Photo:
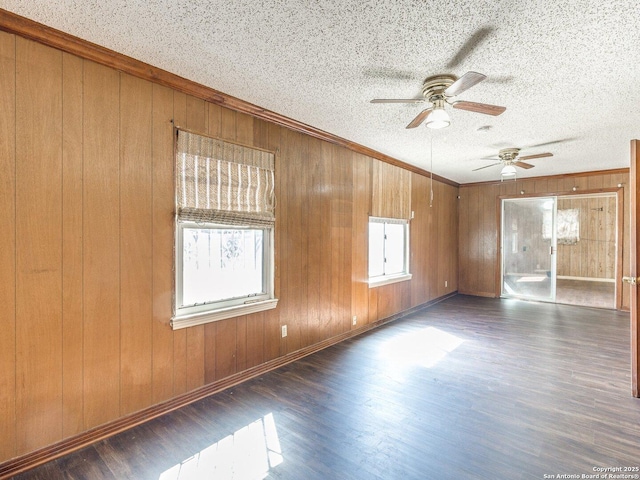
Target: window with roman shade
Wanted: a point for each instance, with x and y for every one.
(225, 206)
(389, 224)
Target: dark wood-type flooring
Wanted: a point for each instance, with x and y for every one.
(469, 388)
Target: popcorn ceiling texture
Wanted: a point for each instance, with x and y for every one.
(564, 70)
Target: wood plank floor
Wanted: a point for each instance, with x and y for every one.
(471, 388)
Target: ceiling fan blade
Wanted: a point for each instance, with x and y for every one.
(526, 166)
(420, 118)
(479, 107)
(397, 100)
(464, 83)
(472, 43)
(486, 166)
(537, 155)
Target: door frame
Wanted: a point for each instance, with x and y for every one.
(634, 206)
(619, 191)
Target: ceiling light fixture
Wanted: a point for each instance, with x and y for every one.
(508, 171)
(438, 118)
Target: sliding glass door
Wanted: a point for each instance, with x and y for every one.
(528, 248)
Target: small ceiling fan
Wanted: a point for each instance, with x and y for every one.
(438, 90)
(510, 159)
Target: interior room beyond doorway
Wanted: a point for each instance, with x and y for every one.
(586, 263)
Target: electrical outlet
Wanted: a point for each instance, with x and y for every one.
(446, 284)
(284, 331)
(354, 320)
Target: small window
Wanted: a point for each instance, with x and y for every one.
(224, 255)
(388, 251)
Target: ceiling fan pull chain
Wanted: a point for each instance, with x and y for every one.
(431, 172)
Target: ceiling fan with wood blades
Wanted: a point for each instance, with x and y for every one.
(439, 90)
(510, 158)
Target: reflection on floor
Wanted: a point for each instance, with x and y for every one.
(586, 293)
(572, 292)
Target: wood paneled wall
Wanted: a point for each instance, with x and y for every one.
(478, 224)
(86, 192)
(391, 191)
(594, 255)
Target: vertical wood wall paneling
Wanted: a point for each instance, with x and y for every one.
(8, 242)
(197, 121)
(255, 322)
(101, 252)
(323, 217)
(346, 188)
(272, 338)
(136, 245)
(244, 136)
(214, 128)
(453, 251)
(179, 336)
(475, 222)
(391, 191)
(433, 232)
(419, 237)
(315, 240)
(360, 240)
(39, 245)
(295, 259)
(464, 248)
(72, 245)
(489, 239)
(162, 240)
(341, 216)
(447, 267)
(226, 330)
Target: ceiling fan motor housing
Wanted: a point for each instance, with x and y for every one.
(509, 155)
(434, 87)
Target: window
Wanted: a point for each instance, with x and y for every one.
(224, 230)
(388, 251)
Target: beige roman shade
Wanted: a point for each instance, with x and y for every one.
(224, 183)
(390, 191)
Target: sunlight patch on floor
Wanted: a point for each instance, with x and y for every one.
(249, 453)
(424, 348)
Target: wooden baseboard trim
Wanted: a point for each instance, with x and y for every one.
(479, 294)
(38, 457)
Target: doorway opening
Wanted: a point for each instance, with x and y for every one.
(561, 249)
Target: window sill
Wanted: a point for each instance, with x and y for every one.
(184, 321)
(379, 281)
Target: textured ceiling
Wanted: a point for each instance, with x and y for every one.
(568, 72)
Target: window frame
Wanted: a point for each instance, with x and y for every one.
(386, 279)
(186, 316)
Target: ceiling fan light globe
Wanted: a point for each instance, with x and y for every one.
(438, 118)
(508, 170)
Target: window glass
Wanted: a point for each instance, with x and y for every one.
(388, 248)
(221, 264)
(376, 249)
(394, 248)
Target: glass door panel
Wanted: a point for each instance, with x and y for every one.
(528, 248)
